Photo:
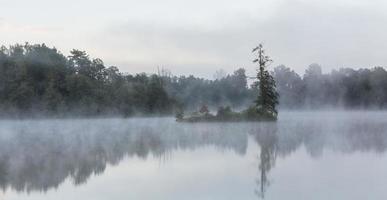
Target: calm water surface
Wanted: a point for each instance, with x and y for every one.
(305, 155)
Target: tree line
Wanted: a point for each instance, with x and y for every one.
(36, 79)
(345, 88)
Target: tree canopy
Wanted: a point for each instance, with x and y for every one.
(39, 79)
(36, 79)
(267, 99)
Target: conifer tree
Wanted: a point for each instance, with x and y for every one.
(267, 97)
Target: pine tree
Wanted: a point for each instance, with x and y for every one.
(268, 97)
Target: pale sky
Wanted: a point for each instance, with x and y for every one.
(201, 36)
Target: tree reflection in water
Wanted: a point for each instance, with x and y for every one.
(39, 155)
(265, 134)
(345, 133)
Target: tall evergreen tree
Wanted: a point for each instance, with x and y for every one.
(267, 97)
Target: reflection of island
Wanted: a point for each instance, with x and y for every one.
(40, 155)
(344, 136)
(266, 137)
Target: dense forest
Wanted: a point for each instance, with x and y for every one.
(36, 79)
(39, 80)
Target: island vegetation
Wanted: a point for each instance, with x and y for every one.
(37, 80)
(264, 108)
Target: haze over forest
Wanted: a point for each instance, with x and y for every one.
(36, 79)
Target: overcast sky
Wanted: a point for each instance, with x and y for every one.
(201, 36)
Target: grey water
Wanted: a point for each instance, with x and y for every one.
(305, 155)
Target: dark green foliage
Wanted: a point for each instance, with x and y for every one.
(225, 114)
(254, 114)
(267, 95)
(157, 99)
(40, 80)
(265, 104)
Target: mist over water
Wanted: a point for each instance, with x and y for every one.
(307, 155)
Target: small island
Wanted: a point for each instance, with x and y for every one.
(263, 109)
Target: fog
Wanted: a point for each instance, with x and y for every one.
(39, 81)
(40, 155)
(193, 99)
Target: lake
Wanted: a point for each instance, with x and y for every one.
(305, 155)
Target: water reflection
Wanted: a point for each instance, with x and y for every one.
(266, 137)
(343, 133)
(40, 155)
